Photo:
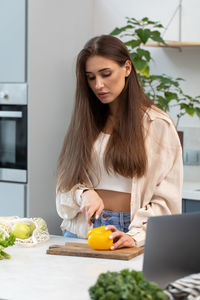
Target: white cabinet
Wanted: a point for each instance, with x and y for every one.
(12, 40)
(12, 199)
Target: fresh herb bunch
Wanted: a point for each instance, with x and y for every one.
(4, 243)
(125, 285)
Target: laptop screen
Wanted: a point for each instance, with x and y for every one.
(172, 247)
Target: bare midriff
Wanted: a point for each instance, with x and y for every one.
(115, 201)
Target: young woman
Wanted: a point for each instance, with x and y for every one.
(121, 159)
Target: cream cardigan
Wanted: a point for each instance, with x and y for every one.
(158, 192)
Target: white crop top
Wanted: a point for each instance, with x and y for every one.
(103, 180)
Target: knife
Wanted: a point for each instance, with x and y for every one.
(93, 219)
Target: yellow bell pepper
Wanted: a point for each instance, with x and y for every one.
(98, 238)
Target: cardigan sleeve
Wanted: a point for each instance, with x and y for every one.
(69, 204)
(159, 192)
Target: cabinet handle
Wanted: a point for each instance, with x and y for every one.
(3, 95)
(10, 114)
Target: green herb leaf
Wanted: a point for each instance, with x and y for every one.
(4, 254)
(8, 241)
(125, 285)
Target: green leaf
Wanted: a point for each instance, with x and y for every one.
(156, 36)
(8, 241)
(136, 22)
(117, 30)
(179, 78)
(139, 63)
(197, 110)
(152, 23)
(143, 34)
(195, 100)
(159, 26)
(133, 43)
(145, 19)
(133, 56)
(145, 71)
(146, 54)
(189, 110)
(171, 96)
(4, 254)
(162, 103)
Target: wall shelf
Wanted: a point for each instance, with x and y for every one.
(173, 44)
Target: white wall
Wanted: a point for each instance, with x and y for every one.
(57, 31)
(109, 14)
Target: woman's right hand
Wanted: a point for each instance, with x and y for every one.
(93, 204)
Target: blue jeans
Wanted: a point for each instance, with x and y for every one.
(121, 220)
(70, 234)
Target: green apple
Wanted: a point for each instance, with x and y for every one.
(21, 230)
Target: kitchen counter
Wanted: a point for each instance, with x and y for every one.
(32, 274)
(191, 190)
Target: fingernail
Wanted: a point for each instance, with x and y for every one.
(106, 228)
(110, 237)
(112, 247)
(96, 217)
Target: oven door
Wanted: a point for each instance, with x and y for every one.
(13, 143)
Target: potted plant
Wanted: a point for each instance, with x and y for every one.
(163, 90)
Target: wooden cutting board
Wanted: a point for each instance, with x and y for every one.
(80, 249)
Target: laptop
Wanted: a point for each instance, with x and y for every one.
(172, 248)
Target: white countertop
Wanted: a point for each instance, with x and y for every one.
(32, 274)
(191, 190)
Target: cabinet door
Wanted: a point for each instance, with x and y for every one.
(12, 40)
(12, 199)
(191, 206)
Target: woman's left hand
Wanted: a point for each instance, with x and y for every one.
(120, 238)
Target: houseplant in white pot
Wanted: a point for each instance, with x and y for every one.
(163, 90)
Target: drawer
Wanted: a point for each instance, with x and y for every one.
(12, 199)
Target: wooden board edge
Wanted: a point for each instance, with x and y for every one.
(86, 255)
(94, 254)
(76, 247)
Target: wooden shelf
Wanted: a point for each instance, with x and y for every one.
(173, 44)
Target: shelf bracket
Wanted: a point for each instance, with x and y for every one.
(179, 11)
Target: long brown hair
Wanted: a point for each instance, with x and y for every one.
(125, 153)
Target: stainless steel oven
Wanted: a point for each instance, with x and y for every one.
(13, 132)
